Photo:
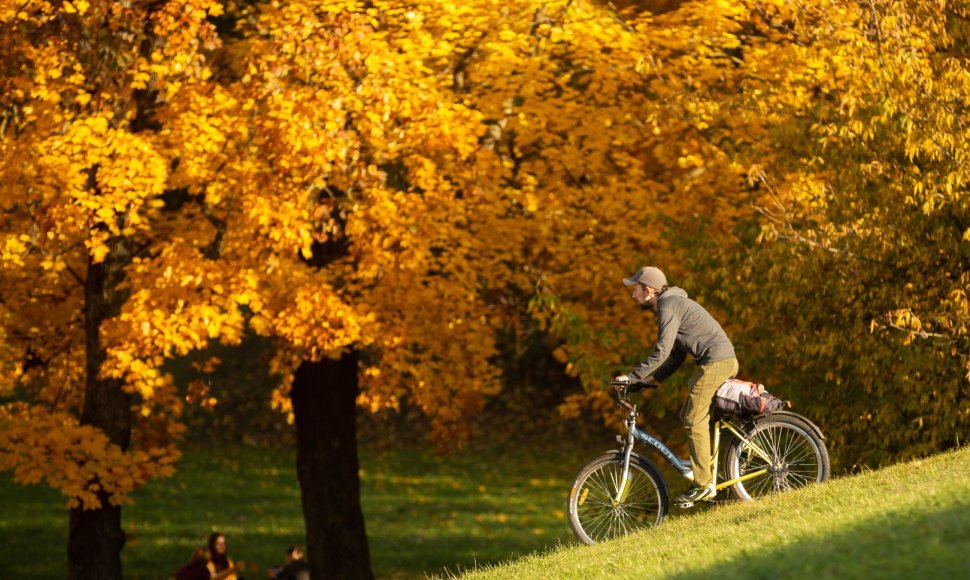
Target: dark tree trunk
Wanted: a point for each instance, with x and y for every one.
(324, 396)
(95, 537)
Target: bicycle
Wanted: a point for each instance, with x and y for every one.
(622, 491)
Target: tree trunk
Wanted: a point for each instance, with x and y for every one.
(324, 396)
(95, 537)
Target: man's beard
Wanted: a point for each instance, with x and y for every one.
(648, 305)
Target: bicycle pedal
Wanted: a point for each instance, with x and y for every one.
(684, 505)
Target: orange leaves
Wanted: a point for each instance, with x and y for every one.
(203, 131)
(77, 460)
(318, 323)
(283, 220)
(187, 33)
(14, 250)
(179, 302)
(198, 394)
(433, 343)
(78, 6)
(98, 179)
(11, 370)
(82, 170)
(404, 178)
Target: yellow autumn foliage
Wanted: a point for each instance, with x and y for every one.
(413, 180)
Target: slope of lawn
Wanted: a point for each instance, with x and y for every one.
(907, 521)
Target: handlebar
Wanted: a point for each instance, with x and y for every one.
(622, 390)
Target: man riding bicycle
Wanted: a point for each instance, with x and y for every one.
(684, 326)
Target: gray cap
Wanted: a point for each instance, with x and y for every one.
(648, 276)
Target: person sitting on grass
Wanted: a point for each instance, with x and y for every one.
(197, 568)
(221, 566)
(294, 569)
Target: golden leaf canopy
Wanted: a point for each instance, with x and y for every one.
(412, 180)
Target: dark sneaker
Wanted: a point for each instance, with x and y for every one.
(696, 494)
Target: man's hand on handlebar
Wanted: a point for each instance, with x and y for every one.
(632, 386)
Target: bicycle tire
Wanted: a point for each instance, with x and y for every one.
(798, 452)
(592, 516)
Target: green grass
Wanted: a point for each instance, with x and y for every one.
(439, 515)
(424, 513)
(907, 521)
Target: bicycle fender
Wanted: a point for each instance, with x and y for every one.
(808, 421)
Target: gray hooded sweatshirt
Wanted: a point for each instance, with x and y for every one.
(683, 327)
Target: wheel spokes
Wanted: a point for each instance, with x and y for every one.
(795, 461)
(601, 518)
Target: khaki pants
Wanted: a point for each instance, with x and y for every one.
(696, 414)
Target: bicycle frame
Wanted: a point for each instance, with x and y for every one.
(683, 466)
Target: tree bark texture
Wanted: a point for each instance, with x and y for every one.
(95, 537)
(324, 397)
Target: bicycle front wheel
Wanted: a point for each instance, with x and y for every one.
(784, 450)
(600, 510)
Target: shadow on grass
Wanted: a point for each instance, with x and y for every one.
(912, 543)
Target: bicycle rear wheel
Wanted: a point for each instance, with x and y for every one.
(595, 516)
(798, 456)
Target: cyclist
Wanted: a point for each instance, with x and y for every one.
(684, 326)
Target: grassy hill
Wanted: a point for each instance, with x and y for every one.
(907, 521)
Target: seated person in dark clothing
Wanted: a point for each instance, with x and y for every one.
(295, 568)
(221, 566)
(197, 568)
